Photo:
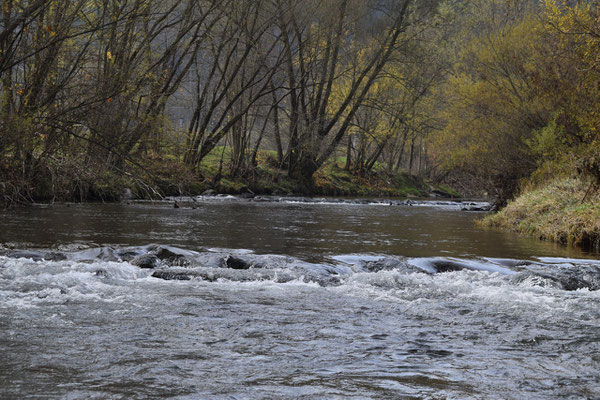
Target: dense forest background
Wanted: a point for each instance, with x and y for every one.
(177, 96)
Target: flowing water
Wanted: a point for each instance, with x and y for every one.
(246, 300)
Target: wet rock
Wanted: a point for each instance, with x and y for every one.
(171, 258)
(127, 255)
(55, 256)
(447, 265)
(475, 207)
(34, 255)
(37, 255)
(327, 281)
(566, 278)
(101, 273)
(582, 277)
(531, 279)
(236, 263)
(108, 254)
(71, 247)
(148, 261)
(390, 264)
(209, 192)
(215, 274)
(171, 276)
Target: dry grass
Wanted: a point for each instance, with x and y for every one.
(556, 211)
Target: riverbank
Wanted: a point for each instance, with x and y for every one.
(566, 210)
(159, 177)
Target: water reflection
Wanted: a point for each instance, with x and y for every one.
(304, 230)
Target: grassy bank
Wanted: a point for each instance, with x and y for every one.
(565, 210)
(157, 176)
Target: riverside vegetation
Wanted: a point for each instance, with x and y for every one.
(337, 97)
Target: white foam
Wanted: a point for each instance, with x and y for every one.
(560, 260)
(25, 283)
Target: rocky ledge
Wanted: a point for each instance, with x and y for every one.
(172, 263)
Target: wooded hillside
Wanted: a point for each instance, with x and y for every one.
(96, 95)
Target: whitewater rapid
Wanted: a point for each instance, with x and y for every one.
(222, 323)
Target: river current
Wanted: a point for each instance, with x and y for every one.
(237, 299)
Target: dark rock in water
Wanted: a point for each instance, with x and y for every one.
(566, 278)
(475, 207)
(146, 261)
(447, 265)
(108, 254)
(325, 281)
(101, 273)
(536, 280)
(580, 277)
(127, 255)
(390, 264)
(37, 255)
(171, 276)
(34, 255)
(171, 258)
(235, 263)
(55, 256)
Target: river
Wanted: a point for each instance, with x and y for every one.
(236, 299)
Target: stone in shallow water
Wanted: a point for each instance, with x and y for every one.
(566, 276)
(447, 265)
(108, 254)
(146, 261)
(55, 256)
(34, 255)
(171, 258)
(390, 264)
(171, 276)
(236, 263)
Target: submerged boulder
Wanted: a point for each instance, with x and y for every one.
(390, 264)
(171, 275)
(148, 261)
(34, 255)
(565, 276)
(233, 262)
(444, 265)
(107, 254)
(169, 257)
